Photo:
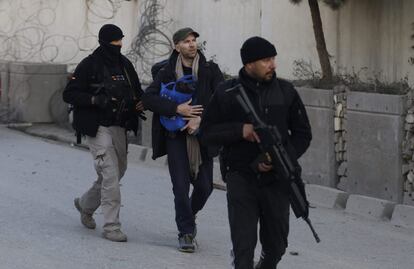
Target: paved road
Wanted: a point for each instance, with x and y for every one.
(40, 229)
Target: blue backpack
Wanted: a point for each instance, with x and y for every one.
(169, 91)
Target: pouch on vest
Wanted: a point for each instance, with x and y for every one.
(170, 92)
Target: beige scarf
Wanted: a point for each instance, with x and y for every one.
(193, 146)
(179, 67)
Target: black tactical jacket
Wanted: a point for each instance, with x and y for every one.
(82, 86)
(277, 103)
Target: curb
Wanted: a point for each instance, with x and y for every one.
(403, 216)
(137, 153)
(50, 132)
(326, 197)
(369, 207)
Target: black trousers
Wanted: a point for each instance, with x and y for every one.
(187, 206)
(248, 203)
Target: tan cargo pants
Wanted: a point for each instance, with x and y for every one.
(109, 151)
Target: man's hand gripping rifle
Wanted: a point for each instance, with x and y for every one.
(271, 145)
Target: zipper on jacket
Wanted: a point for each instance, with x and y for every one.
(259, 94)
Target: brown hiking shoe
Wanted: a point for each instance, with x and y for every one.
(116, 236)
(86, 219)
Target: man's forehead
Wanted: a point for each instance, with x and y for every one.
(267, 59)
(189, 37)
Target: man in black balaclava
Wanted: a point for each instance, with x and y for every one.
(105, 91)
(255, 192)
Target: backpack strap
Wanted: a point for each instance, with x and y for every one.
(130, 84)
(155, 69)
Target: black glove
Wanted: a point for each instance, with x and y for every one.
(100, 100)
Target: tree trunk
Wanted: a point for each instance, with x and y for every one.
(320, 41)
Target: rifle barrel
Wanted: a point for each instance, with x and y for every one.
(318, 240)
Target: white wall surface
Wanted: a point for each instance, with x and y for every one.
(376, 34)
(59, 31)
(368, 33)
(224, 25)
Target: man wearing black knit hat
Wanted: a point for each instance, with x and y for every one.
(254, 192)
(105, 91)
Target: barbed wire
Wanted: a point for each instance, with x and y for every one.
(152, 41)
(25, 33)
(99, 11)
(411, 59)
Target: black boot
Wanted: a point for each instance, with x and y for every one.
(261, 263)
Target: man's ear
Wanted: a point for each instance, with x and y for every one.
(177, 48)
(248, 66)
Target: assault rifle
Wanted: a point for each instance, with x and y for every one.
(120, 105)
(272, 147)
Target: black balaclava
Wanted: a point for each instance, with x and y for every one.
(107, 34)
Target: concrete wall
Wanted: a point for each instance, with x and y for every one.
(375, 34)
(4, 82)
(318, 163)
(363, 34)
(60, 31)
(225, 25)
(367, 33)
(375, 130)
(34, 91)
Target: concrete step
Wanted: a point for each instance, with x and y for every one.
(403, 216)
(369, 207)
(326, 197)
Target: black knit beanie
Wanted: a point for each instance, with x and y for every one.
(256, 48)
(109, 33)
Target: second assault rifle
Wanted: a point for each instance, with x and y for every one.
(121, 106)
(272, 146)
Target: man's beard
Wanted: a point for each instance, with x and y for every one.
(264, 78)
(189, 55)
(268, 77)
